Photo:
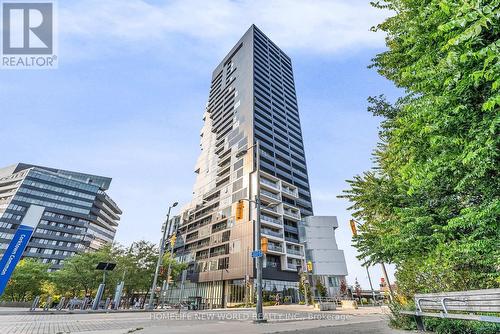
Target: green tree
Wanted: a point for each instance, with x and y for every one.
(79, 275)
(26, 281)
(175, 267)
(431, 203)
(320, 287)
(140, 263)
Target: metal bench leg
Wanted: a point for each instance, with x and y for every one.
(420, 323)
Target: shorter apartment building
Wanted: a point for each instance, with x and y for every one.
(78, 216)
(328, 262)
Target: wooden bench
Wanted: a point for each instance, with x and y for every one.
(463, 305)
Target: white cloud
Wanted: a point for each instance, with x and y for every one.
(317, 26)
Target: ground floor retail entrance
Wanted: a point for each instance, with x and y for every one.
(229, 293)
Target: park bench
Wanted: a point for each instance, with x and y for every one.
(478, 305)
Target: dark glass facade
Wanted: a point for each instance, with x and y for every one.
(78, 214)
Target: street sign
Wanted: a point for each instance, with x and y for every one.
(257, 253)
(18, 244)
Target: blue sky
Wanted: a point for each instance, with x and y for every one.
(133, 78)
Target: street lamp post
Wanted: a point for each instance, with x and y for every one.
(169, 270)
(160, 258)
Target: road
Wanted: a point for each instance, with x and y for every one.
(286, 319)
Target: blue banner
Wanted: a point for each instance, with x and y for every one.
(13, 254)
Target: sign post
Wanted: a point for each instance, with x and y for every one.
(18, 244)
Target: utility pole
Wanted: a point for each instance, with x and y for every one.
(160, 258)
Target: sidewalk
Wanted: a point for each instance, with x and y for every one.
(280, 318)
(282, 308)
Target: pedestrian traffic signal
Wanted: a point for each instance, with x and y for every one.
(239, 210)
(170, 280)
(264, 244)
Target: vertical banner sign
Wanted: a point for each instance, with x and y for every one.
(18, 244)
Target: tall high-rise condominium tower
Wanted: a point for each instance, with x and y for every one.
(78, 215)
(252, 99)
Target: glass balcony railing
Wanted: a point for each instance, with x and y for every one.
(291, 214)
(294, 251)
(290, 228)
(292, 266)
(270, 220)
(289, 191)
(269, 194)
(275, 248)
(269, 183)
(272, 233)
(273, 209)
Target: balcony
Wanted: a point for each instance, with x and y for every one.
(292, 266)
(292, 214)
(291, 228)
(275, 248)
(223, 252)
(271, 233)
(267, 219)
(269, 194)
(294, 251)
(292, 239)
(289, 191)
(269, 183)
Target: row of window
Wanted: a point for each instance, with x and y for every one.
(54, 242)
(47, 251)
(58, 189)
(65, 217)
(51, 204)
(5, 225)
(59, 234)
(62, 225)
(12, 216)
(16, 207)
(63, 181)
(7, 236)
(54, 197)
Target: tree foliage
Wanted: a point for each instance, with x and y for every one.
(431, 203)
(135, 265)
(26, 281)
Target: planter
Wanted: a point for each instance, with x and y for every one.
(349, 304)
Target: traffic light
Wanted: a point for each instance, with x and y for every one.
(239, 210)
(172, 240)
(263, 244)
(353, 227)
(161, 271)
(170, 280)
(309, 266)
